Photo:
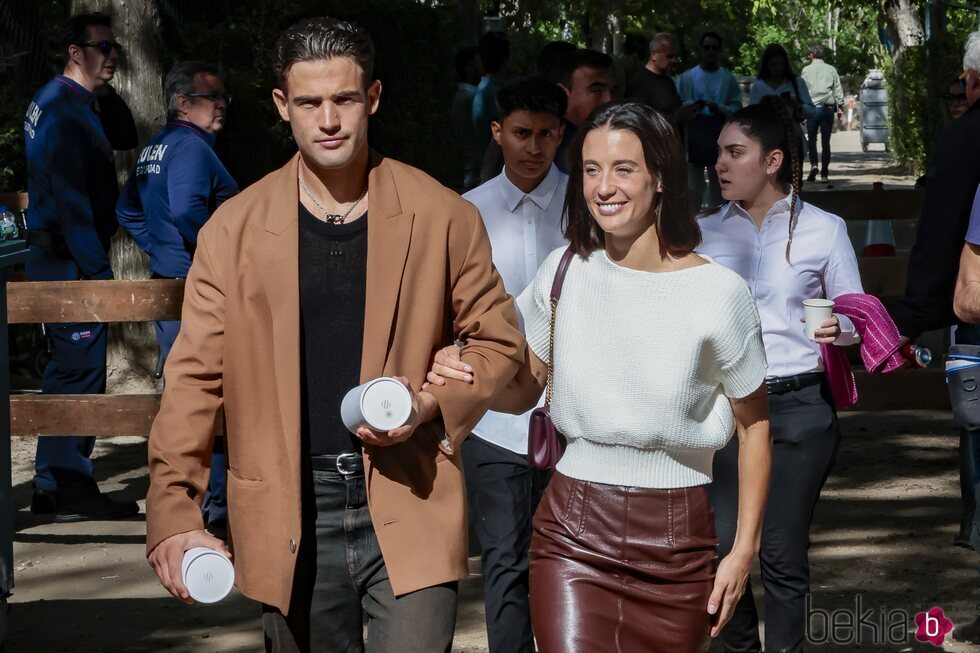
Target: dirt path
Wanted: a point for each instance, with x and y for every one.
(882, 532)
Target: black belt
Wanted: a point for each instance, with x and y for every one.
(348, 464)
(783, 384)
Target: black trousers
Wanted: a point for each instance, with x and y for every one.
(503, 492)
(805, 437)
(341, 578)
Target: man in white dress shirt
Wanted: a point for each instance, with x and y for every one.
(522, 209)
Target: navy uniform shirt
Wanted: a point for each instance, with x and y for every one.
(71, 182)
(176, 186)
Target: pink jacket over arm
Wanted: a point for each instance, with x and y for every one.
(879, 346)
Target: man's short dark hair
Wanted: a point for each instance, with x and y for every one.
(180, 81)
(711, 35)
(462, 61)
(494, 51)
(816, 51)
(75, 29)
(320, 39)
(533, 93)
(581, 58)
(550, 55)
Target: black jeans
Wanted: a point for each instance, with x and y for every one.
(341, 577)
(503, 492)
(824, 121)
(805, 437)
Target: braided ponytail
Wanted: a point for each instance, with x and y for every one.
(792, 152)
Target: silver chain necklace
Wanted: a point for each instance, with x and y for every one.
(331, 218)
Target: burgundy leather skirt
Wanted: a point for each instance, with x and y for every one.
(621, 569)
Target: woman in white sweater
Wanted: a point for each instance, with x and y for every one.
(658, 357)
(787, 251)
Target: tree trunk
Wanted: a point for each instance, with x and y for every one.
(904, 25)
(614, 12)
(136, 24)
(606, 35)
(833, 23)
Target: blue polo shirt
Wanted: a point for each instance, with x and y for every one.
(71, 182)
(176, 186)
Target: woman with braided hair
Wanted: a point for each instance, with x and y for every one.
(787, 251)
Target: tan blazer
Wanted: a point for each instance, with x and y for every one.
(239, 349)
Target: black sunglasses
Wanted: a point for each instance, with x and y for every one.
(955, 97)
(214, 97)
(710, 46)
(105, 47)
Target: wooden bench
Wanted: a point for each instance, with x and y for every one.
(89, 301)
(885, 277)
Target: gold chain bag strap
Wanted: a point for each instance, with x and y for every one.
(545, 444)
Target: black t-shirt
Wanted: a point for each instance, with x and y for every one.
(657, 91)
(332, 285)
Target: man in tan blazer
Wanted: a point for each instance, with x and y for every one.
(340, 267)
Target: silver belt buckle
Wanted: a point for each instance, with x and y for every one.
(340, 469)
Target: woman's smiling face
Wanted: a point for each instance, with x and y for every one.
(619, 189)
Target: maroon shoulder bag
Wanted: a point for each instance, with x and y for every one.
(545, 444)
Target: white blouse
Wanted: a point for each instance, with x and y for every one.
(821, 264)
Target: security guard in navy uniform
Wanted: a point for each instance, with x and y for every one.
(176, 186)
(71, 181)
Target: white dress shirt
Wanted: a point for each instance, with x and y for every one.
(822, 264)
(523, 228)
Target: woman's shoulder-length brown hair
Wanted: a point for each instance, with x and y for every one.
(677, 228)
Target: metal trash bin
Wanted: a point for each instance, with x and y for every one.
(874, 110)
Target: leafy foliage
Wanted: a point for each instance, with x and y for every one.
(13, 167)
(416, 40)
(908, 107)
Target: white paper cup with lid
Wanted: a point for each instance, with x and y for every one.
(382, 404)
(208, 574)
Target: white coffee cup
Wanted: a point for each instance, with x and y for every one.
(208, 574)
(382, 404)
(817, 311)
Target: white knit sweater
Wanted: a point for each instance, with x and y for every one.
(644, 365)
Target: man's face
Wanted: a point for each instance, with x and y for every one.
(972, 87)
(206, 107)
(710, 51)
(591, 87)
(327, 106)
(664, 57)
(529, 140)
(956, 99)
(97, 67)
